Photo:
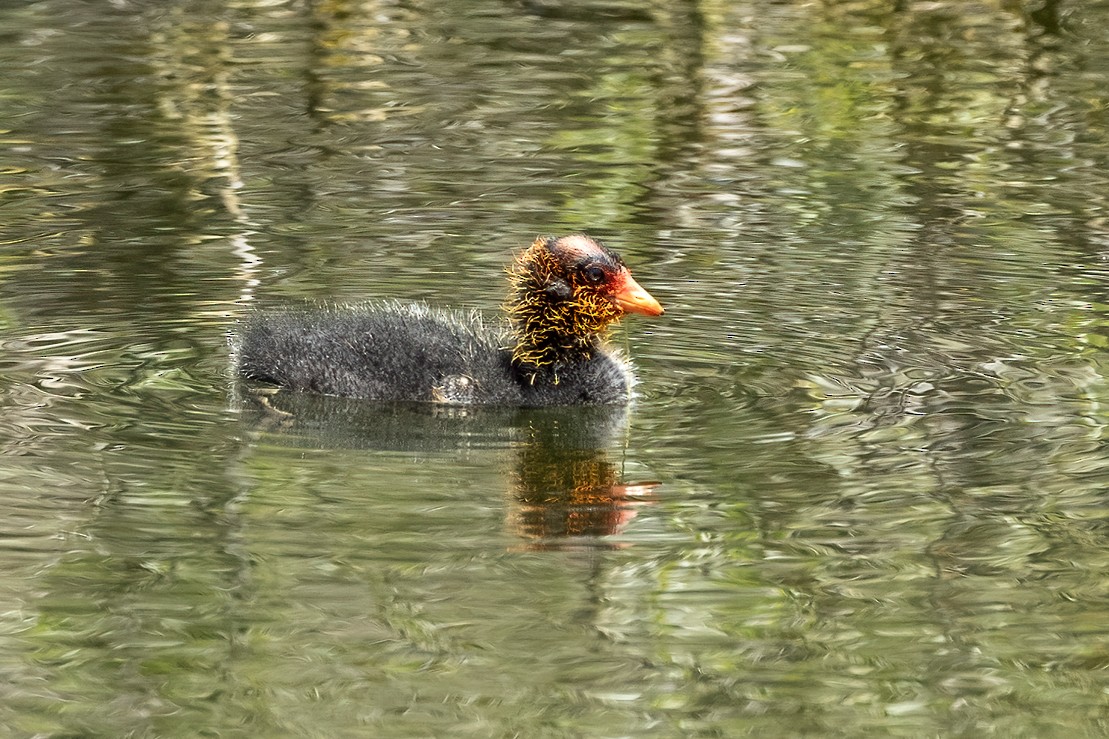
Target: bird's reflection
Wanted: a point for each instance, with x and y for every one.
(565, 490)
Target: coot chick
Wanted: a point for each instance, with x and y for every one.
(565, 293)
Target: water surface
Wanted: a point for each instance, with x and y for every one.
(862, 491)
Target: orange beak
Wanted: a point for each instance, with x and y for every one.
(634, 299)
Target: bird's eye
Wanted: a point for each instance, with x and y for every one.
(595, 275)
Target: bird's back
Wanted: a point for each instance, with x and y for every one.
(386, 352)
(413, 353)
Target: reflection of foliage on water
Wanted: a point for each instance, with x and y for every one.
(947, 405)
(878, 405)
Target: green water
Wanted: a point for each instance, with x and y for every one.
(863, 491)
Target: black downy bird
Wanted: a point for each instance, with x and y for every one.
(551, 350)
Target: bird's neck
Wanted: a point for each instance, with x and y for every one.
(551, 325)
(540, 347)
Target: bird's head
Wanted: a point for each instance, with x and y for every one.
(566, 292)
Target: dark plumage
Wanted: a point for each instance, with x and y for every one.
(551, 351)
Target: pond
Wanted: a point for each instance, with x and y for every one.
(862, 491)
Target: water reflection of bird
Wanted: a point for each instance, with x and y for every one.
(564, 490)
(565, 293)
(567, 494)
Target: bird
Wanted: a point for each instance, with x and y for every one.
(548, 349)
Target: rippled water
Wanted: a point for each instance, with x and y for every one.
(863, 491)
